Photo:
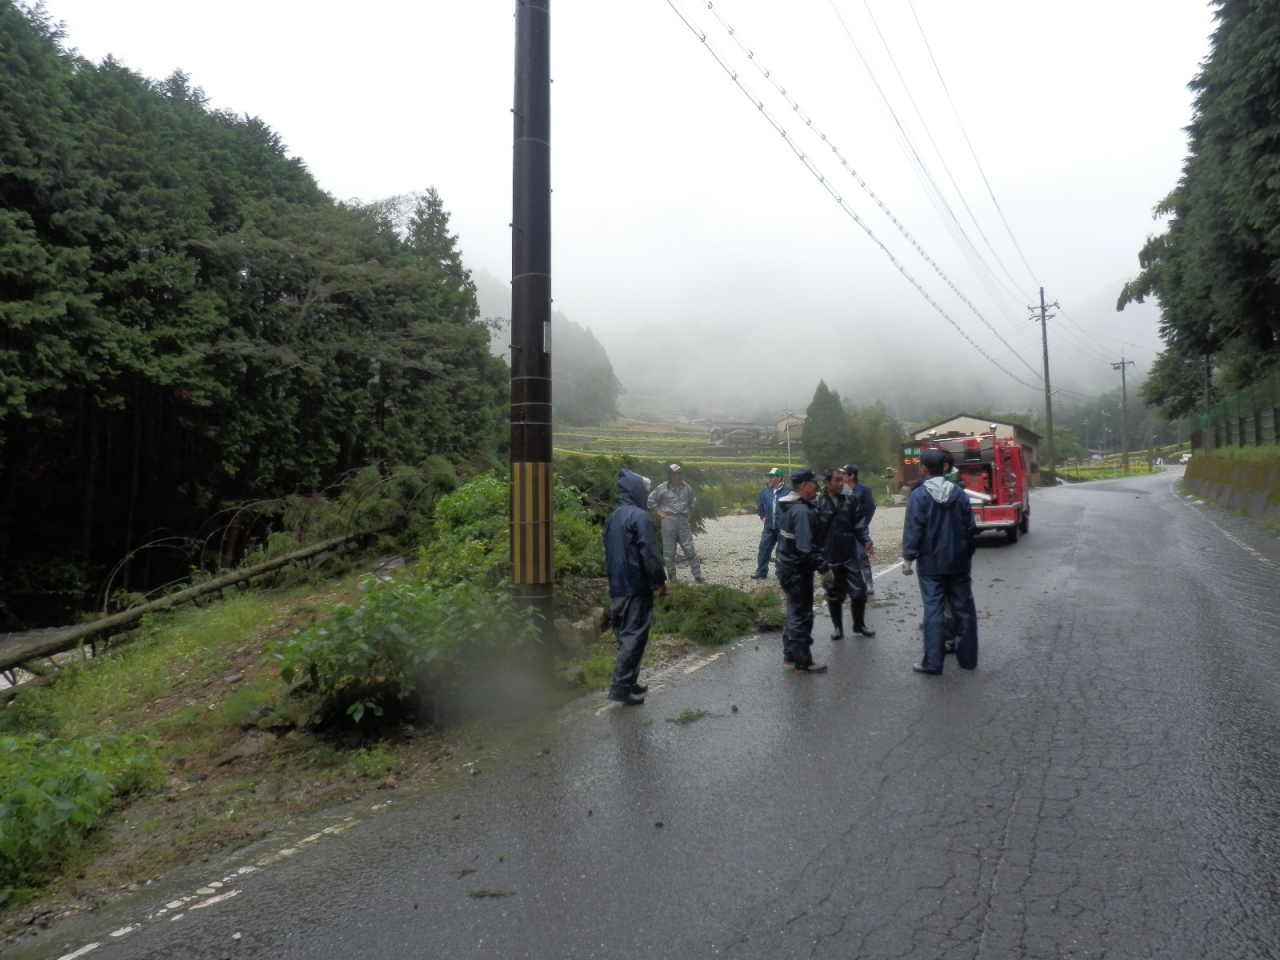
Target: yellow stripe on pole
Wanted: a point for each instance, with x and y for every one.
(531, 522)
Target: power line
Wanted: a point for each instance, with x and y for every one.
(972, 152)
(1084, 347)
(1107, 337)
(844, 205)
(813, 127)
(928, 133)
(925, 176)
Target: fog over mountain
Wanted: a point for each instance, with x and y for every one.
(893, 353)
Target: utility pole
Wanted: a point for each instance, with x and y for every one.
(1124, 411)
(1207, 394)
(1048, 394)
(532, 481)
(1086, 439)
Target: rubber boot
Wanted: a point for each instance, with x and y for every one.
(837, 618)
(625, 696)
(860, 619)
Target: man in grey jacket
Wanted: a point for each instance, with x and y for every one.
(673, 501)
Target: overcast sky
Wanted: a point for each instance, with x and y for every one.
(687, 234)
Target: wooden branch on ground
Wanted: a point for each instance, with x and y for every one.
(14, 653)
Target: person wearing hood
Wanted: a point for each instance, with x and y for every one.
(799, 555)
(767, 510)
(937, 537)
(673, 501)
(636, 576)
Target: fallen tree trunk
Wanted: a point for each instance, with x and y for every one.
(15, 653)
(8, 693)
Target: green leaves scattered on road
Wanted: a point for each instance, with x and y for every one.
(689, 716)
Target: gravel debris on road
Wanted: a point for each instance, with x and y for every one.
(728, 546)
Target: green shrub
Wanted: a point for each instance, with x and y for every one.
(33, 712)
(54, 792)
(738, 494)
(375, 762)
(708, 613)
(770, 612)
(471, 536)
(404, 637)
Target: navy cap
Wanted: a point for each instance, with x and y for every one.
(803, 475)
(933, 459)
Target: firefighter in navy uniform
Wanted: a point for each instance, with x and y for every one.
(868, 501)
(937, 541)
(799, 557)
(842, 530)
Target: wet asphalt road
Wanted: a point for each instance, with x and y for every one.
(1106, 784)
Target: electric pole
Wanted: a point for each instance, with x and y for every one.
(1048, 394)
(532, 481)
(1124, 411)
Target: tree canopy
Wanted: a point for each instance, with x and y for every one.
(1216, 269)
(836, 433)
(187, 321)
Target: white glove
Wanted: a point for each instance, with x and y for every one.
(906, 567)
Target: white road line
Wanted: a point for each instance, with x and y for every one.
(702, 663)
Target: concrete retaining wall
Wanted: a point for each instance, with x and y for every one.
(1251, 487)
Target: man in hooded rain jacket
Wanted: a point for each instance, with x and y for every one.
(799, 555)
(937, 536)
(635, 576)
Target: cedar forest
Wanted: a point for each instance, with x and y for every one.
(187, 321)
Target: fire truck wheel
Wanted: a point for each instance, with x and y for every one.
(1025, 523)
(1012, 533)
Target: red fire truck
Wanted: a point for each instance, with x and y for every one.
(994, 472)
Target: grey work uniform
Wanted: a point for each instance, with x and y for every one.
(677, 504)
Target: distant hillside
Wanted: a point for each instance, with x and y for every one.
(585, 391)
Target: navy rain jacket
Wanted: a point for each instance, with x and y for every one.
(841, 526)
(939, 528)
(630, 548)
(766, 503)
(799, 551)
(867, 499)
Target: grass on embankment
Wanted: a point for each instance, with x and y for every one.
(1267, 451)
(190, 687)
